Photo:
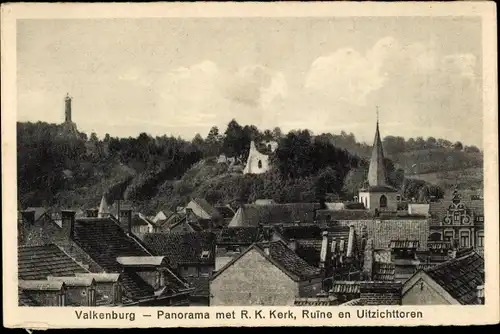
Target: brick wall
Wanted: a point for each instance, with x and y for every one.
(373, 298)
(252, 280)
(423, 294)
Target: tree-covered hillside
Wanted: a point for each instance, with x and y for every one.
(64, 168)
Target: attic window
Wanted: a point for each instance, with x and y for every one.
(205, 254)
(260, 164)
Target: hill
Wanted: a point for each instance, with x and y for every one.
(60, 166)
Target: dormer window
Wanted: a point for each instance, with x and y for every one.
(205, 254)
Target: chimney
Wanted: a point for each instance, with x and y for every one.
(29, 216)
(350, 241)
(480, 294)
(126, 219)
(68, 222)
(368, 260)
(292, 244)
(324, 246)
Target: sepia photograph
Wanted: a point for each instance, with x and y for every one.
(298, 161)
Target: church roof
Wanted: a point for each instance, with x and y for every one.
(377, 174)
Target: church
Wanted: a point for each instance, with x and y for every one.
(377, 196)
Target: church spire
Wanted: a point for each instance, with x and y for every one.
(376, 172)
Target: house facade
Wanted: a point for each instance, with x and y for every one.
(246, 279)
(458, 222)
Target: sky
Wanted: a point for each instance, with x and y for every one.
(181, 76)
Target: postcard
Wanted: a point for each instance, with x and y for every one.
(249, 164)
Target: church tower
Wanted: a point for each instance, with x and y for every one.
(67, 109)
(378, 195)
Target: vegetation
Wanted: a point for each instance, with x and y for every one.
(60, 167)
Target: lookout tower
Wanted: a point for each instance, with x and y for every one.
(67, 109)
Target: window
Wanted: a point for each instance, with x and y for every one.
(383, 201)
(480, 239)
(205, 254)
(456, 217)
(448, 235)
(435, 237)
(260, 164)
(464, 239)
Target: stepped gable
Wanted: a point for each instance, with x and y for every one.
(460, 277)
(182, 248)
(238, 235)
(38, 262)
(288, 260)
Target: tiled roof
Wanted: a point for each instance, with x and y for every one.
(460, 276)
(318, 301)
(104, 241)
(238, 235)
(201, 286)
(38, 262)
(183, 248)
(345, 287)
(288, 260)
(383, 271)
(209, 209)
(308, 231)
(381, 293)
(406, 244)
(253, 214)
(332, 215)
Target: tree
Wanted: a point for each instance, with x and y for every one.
(93, 137)
(213, 142)
(277, 134)
(458, 146)
(327, 181)
(471, 149)
(235, 140)
(431, 142)
(444, 143)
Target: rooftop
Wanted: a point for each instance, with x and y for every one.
(238, 235)
(183, 247)
(460, 277)
(288, 260)
(38, 262)
(207, 207)
(255, 215)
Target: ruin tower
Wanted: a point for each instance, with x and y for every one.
(67, 109)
